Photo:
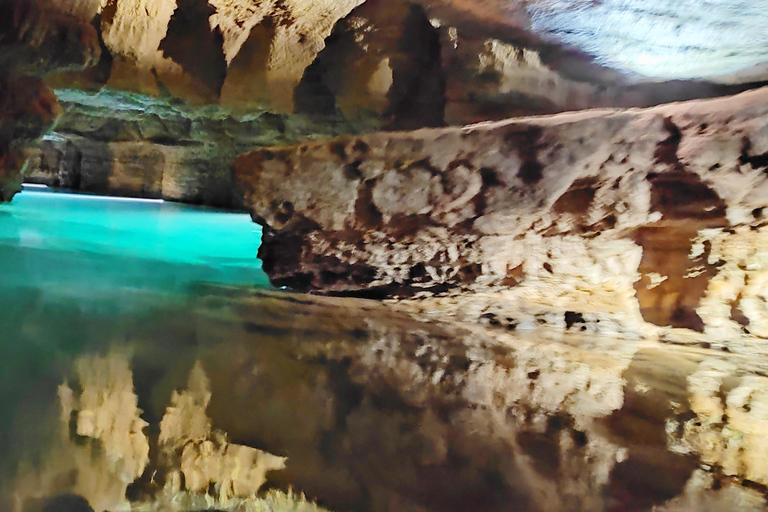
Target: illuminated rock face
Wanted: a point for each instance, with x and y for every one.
(133, 145)
(637, 208)
(372, 60)
(353, 67)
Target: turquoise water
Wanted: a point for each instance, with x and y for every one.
(90, 248)
(80, 272)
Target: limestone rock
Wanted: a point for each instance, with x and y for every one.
(381, 67)
(489, 79)
(657, 38)
(39, 39)
(551, 205)
(127, 144)
(34, 40)
(193, 49)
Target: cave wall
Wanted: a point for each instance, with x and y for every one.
(322, 69)
(655, 215)
(36, 40)
(374, 63)
(127, 144)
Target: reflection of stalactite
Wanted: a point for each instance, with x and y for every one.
(203, 456)
(101, 448)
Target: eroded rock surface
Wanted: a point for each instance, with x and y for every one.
(35, 39)
(343, 67)
(127, 144)
(612, 211)
(378, 63)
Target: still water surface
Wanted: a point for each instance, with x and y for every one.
(116, 313)
(87, 247)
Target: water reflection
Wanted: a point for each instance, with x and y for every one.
(184, 395)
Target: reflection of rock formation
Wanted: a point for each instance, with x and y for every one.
(203, 457)
(378, 411)
(103, 448)
(386, 413)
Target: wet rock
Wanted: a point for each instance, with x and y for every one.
(551, 201)
(35, 40)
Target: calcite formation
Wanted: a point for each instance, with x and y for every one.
(640, 212)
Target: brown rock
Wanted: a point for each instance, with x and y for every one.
(380, 68)
(127, 144)
(395, 213)
(34, 40)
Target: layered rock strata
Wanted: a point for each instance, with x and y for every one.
(628, 217)
(132, 145)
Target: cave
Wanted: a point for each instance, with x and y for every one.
(369, 256)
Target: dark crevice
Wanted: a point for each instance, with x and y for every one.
(666, 152)
(756, 161)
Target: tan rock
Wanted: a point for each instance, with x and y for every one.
(543, 207)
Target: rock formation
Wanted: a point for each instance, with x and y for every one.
(35, 40)
(332, 67)
(577, 312)
(128, 144)
(571, 208)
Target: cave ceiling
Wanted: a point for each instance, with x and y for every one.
(720, 40)
(660, 38)
(663, 39)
